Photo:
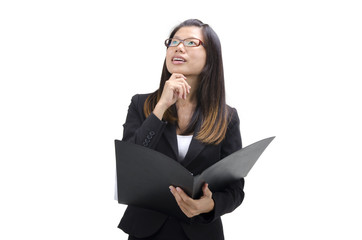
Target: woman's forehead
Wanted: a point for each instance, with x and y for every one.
(189, 32)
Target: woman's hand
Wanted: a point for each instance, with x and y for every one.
(191, 207)
(175, 88)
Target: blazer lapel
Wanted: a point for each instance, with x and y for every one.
(195, 148)
(170, 135)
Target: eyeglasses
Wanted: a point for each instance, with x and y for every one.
(188, 42)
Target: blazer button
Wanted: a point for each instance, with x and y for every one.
(149, 137)
(145, 144)
(152, 133)
(147, 140)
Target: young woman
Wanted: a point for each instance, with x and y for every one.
(188, 120)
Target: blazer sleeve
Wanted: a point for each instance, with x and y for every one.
(232, 196)
(141, 130)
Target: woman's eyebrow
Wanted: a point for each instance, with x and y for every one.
(184, 38)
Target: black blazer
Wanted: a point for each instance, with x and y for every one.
(161, 136)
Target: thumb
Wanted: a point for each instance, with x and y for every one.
(206, 190)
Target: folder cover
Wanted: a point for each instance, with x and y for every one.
(144, 175)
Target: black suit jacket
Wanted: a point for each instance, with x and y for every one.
(161, 136)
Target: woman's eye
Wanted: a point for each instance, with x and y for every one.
(174, 42)
(191, 43)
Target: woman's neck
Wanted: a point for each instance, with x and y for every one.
(191, 99)
(186, 107)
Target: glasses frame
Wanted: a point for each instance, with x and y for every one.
(183, 42)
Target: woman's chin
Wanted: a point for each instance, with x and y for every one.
(180, 71)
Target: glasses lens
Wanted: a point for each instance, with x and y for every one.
(171, 42)
(192, 42)
(174, 42)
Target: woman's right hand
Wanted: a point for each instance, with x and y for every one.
(175, 88)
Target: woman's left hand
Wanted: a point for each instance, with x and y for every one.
(191, 207)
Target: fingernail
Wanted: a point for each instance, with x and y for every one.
(178, 189)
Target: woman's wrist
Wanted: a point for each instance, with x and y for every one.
(211, 206)
(159, 110)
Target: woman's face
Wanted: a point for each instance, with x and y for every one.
(194, 58)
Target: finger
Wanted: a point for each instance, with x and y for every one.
(185, 91)
(181, 197)
(207, 192)
(185, 198)
(174, 87)
(175, 194)
(186, 211)
(179, 78)
(186, 86)
(181, 89)
(184, 208)
(182, 81)
(178, 75)
(188, 207)
(177, 90)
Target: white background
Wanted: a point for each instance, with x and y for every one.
(69, 68)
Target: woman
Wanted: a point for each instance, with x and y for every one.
(188, 120)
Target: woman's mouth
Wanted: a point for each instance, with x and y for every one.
(178, 60)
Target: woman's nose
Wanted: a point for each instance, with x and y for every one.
(180, 47)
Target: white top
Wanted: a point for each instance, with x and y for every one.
(183, 143)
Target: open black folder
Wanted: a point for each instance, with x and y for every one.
(144, 175)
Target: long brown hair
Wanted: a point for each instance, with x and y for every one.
(211, 109)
